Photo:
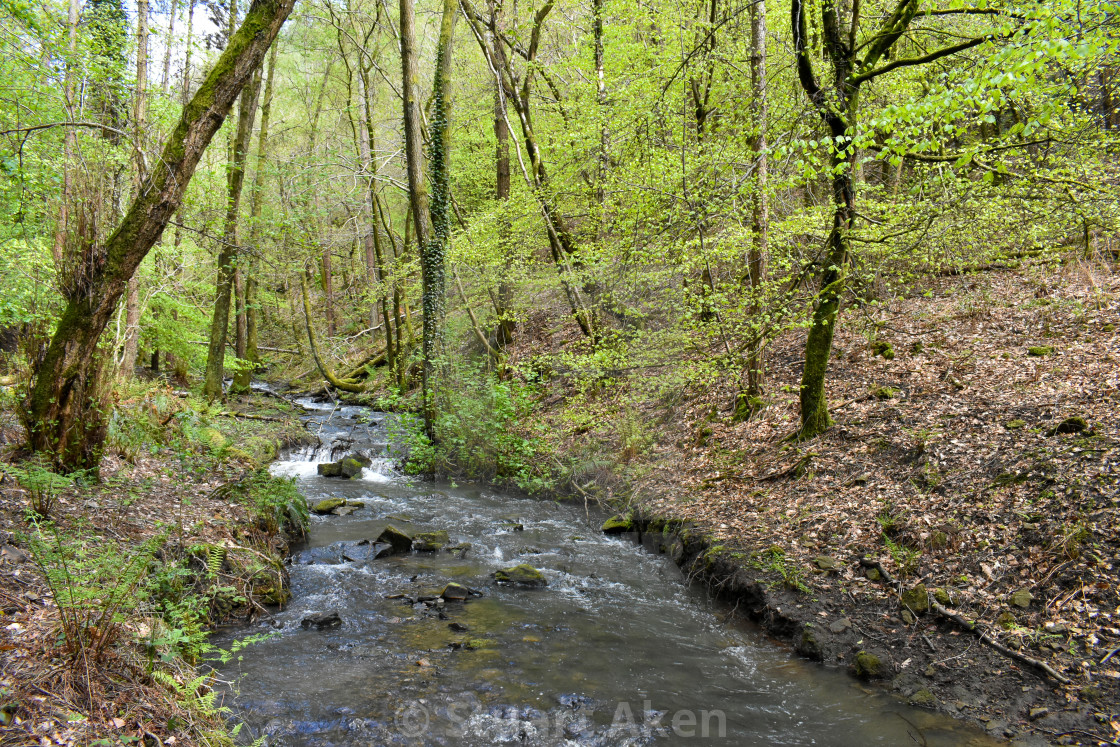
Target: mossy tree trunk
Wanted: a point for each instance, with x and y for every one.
(64, 418)
(854, 61)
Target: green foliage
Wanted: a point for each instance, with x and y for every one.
(477, 432)
(773, 560)
(95, 583)
(42, 485)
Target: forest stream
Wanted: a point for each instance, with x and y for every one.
(617, 649)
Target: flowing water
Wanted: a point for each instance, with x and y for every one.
(617, 649)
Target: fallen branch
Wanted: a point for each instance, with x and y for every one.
(971, 627)
(233, 414)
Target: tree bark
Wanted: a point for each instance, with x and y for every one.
(227, 256)
(64, 417)
(139, 115)
(165, 81)
(760, 213)
(503, 308)
(430, 218)
(243, 379)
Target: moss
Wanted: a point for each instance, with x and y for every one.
(883, 349)
(943, 597)
(328, 505)
(884, 392)
(1012, 425)
(430, 541)
(521, 575)
(867, 666)
(916, 599)
(923, 698)
(618, 524)
(1040, 351)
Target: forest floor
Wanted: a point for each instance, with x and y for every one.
(948, 463)
(176, 495)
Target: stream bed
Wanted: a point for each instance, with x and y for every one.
(617, 649)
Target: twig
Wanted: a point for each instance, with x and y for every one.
(972, 627)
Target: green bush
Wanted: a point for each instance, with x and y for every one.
(477, 433)
(95, 583)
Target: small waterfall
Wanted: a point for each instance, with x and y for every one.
(341, 431)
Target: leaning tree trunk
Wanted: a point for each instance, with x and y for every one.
(63, 416)
(227, 257)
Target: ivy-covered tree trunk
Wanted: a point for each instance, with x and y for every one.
(64, 417)
(433, 237)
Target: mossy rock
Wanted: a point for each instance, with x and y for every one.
(923, 698)
(873, 574)
(455, 593)
(1021, 598)
(431, 541)
(351, 467)
(275, 595)
(241, 455)
(883, 349)
(808, 646)
(916, 599)
(356, 504)
(1075, 424)
(399, 540)
(618, 524)
(330, 469)
(1013, 425)
(521, 575)
(1040, 351)
(884, 392)
(826, 564)
(328, 505)
(867, 666)
(944, 598)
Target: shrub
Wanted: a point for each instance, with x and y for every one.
(94, 582)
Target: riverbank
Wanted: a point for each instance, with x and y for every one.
(972, 460)
(182, 493)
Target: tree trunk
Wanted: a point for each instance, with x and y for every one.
(63, 415)
(243, 379)
(503, 307)
(165, 81)
(430, 238)
(139, 115)
(760, 213)
(227, 257)
(328, 292)
(63, 226)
